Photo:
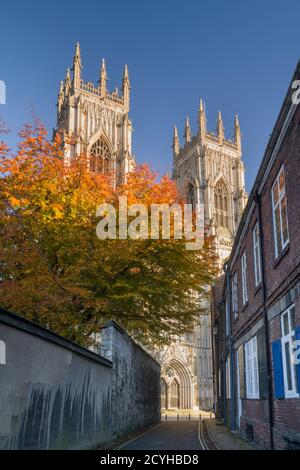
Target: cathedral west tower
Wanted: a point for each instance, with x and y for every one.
(208, 169)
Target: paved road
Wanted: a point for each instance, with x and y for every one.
(172, 435)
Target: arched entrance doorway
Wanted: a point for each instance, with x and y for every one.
(177, 386)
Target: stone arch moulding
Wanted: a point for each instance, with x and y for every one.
(222, 178)
(97, 136)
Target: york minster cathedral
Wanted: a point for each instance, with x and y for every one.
(208, 169)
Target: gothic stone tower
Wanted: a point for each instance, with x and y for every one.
(94, 122)
(208, 169)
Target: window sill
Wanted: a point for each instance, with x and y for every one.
(281, 255)
(257, 288)
(289, 397)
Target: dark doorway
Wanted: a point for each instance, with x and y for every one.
(174, 394)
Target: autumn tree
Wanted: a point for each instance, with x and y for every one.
(57, 272)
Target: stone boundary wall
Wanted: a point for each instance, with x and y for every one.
(55, 394)
(136, 382)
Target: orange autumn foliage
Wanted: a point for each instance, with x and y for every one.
(54, 269)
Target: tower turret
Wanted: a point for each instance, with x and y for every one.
(77, 67)
(67, 82)
(175, 146)
(103, 79)
(187, 131)
(60, 98)
(201, 119)
(126, 86)
(220, 128)
(237, 133)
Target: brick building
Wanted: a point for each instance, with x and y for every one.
(256, 308)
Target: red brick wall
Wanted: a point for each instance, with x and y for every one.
(255, 412)
(286, 411)
(289, 156)
(281, 275)
(247, 313)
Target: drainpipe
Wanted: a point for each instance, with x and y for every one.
(221, 364)
(266, 323)
(222, 382)
(213, 365)
(224, 401)
(231, 351)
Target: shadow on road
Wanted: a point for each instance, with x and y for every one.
(168, 435)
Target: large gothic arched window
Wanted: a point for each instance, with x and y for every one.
(221, 204)
(100, 157)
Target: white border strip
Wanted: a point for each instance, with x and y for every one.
(201, 437)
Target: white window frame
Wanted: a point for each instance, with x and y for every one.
(288, 338)
(281, 197)
(257, 254)
(251, 368)
(244, 277)
(235, 297)
(228, 383)
(2, 352)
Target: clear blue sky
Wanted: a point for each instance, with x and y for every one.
(237, 55)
